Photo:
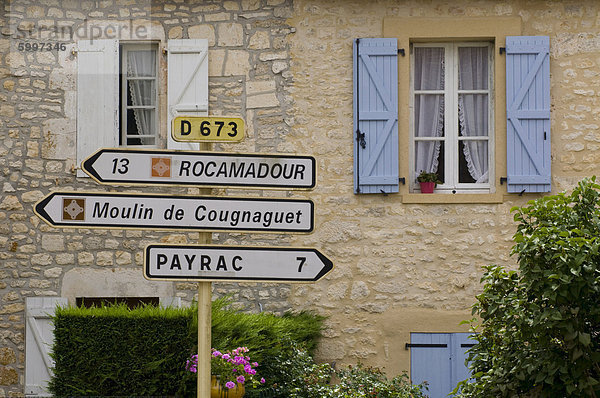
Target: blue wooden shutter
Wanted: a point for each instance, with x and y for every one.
(430, 361)
(460, 344)
(375, 116)
(528, 113)
(439, 359)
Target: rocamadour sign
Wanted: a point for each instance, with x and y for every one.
(171, 212)
(234, 263)
(162, 167)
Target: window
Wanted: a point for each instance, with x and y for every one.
(451, 109)
(122, 89)
(138, 95)
(404, 122)
(130, 302)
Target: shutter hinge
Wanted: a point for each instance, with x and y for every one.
(401, 52)
(503, 180)
(545, 136)
(502, 50)
(409, 345)
(402, 180)
(360, 138)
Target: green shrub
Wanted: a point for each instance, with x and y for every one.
(301, 377)
(539, 333)
(118, 351)
(267, 336)
(360, 381)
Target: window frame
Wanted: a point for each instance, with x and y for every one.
(124, 48)
(452, 138)
(418, 29)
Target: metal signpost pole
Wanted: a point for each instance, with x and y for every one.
(204, 315)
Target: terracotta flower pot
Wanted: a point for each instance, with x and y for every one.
(216, 391)
(427, 187)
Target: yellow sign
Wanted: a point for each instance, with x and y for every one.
(205, 128)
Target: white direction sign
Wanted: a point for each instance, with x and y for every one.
(162, 167)
(234, 263)
(147, 211)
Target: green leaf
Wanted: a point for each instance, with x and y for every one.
(585, 339)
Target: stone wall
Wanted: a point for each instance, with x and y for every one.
(405, 267)
(286, 68)
(249, 70)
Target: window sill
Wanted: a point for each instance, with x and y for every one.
(452, 198)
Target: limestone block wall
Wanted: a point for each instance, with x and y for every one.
(404, 268)
(248, 71)
(285, 66)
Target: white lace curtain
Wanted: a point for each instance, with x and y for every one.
(472, 108)
(142, 64)
(429, 108)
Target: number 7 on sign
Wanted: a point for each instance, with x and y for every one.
(302, 262)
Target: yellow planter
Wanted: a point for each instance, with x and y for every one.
(216, 391)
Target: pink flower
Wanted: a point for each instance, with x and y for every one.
(226, 356)
(241, 379)
(230, 384)
(262, 380)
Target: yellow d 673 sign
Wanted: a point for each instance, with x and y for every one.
(205, 128)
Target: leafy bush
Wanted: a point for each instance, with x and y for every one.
(116, 351)
(301, 377)
(540, 326)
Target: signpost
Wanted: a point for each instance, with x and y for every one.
(234, 263)
(162, 167)
(170, 212)
(202, 263)
(207, 129)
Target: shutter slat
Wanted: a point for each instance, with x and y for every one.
(529, 179)
(380, 180)
(385, 50)
(376, 115)
(528, 114)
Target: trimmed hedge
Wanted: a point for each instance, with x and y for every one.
(116, 351)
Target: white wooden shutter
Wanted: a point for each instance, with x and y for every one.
(97, 97)
(39, 337)
(376, 115)
(187, 83)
